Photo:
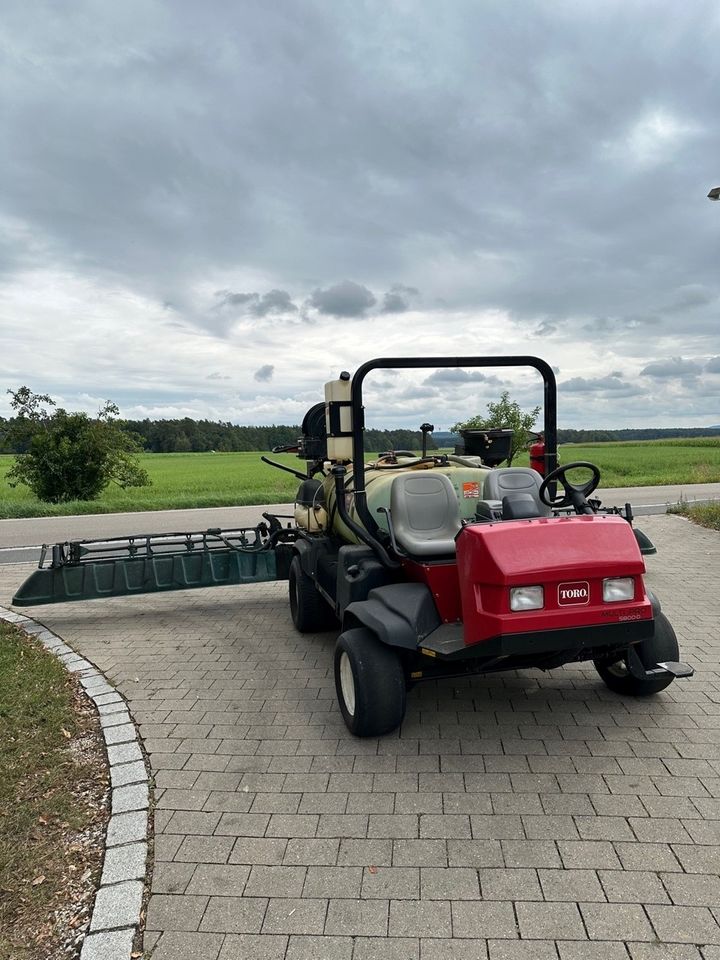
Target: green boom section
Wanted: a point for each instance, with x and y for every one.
(125, 576)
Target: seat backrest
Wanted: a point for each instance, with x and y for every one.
(511, 481)
(425, 514)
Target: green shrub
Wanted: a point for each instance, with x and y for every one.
(71, 456)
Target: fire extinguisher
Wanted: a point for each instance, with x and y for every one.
(537, 454)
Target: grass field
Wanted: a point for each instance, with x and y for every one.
(224, 479)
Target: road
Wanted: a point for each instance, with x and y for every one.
(20, 539)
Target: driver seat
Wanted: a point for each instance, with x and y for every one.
(425, 514)
(519, 490)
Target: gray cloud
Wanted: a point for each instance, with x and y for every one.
(713, 365)
(344, 299)
(216, 376)
(272, 302)
(612, 383)
(674, 367)
(455, 375)
(265, 373)
(398, 298)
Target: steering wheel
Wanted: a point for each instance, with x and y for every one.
(573, 496)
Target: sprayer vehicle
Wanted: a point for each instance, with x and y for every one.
(428, 566)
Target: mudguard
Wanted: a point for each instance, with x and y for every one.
(400, 614)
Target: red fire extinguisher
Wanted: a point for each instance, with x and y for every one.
(537, 454)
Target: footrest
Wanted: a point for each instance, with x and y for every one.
(674, 667)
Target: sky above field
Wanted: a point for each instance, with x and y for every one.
(208, 210)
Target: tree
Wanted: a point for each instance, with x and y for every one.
(71, 456)
(508, 414)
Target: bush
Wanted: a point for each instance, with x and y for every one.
(506, 413)
(71, 456)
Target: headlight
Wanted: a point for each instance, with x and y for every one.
(526, 598)
(622, 588)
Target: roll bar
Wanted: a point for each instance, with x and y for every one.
(358, 411)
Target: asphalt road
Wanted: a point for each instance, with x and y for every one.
(20, 540)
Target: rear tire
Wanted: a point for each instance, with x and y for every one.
(661, 647)
(370, 683)
(309, 610)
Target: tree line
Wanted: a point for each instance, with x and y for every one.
(202, 436)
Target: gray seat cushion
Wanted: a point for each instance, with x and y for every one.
(425, 514)
(511, 482)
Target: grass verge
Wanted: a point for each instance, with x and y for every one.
(53, 788)
(705, 514)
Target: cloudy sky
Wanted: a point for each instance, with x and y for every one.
(209, 209)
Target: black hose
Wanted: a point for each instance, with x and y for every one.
(339, 472)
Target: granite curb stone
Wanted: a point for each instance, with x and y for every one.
(117, 909)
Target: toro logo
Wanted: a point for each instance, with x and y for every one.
(576, 592)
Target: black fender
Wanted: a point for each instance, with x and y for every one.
(399, 614)
(656, 608)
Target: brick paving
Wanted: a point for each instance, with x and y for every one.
(521, 816)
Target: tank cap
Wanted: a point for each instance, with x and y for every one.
(344, 375)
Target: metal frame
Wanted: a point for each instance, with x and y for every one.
(358, 411)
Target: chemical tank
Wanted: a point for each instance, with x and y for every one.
(466, 474)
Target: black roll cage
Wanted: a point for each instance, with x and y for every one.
(358, 417)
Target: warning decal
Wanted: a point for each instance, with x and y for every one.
(471, 489)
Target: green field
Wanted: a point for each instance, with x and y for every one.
(225, 479)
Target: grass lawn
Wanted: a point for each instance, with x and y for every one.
(226, 479)
(52, 812)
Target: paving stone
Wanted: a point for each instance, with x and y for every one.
(331, 882)
(530, 853)
(509, 884)
(489, 920)
(258, 947)
(285, 915)
(203, 849)
(368, 918)
(265, 850)
(670, 951)
(550, 921)
(420, 918)
(390, 948)
(314, 947)
(616, 921)
(187, 946)
(632, 886)
(432, 948)
(232, 914)
(171, 877)
(521, 950)
(385, 883)
(219, 879)
(569, 885)
(684, 924)
(275, 881)
(592, 950)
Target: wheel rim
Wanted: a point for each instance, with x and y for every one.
(347, 683)
(618, 669)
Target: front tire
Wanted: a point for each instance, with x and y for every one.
(663, 646)
(370, 683)
(309, 611)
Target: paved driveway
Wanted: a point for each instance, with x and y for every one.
(526, 815)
